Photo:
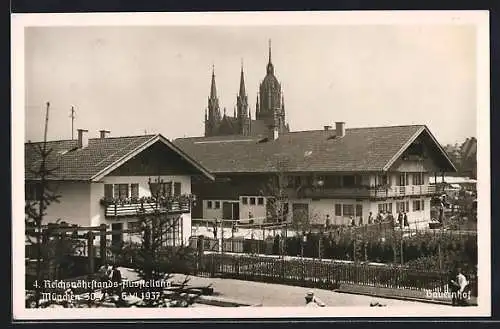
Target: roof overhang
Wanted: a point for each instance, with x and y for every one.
(144, 146)
(411, 140)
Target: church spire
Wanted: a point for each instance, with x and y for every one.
(213, 89)
(270, 51)
(242, 81)
(270, 67)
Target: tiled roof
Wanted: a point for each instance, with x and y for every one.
(83, 164)
(361, 149)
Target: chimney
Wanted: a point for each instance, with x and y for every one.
(103, 133)
(339, 129)
(83, 141)
(326, 128)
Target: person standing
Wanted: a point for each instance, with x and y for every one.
(214, 229)
(370, 218)
(459, 285)
(405, 220)
(327, 222)
(116, 279)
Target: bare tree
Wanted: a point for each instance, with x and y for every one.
(35, 210)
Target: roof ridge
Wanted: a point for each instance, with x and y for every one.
(52, 141)
(93, 138)
(130, 136)
(356, 128)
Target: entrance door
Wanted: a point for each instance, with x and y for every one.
(227, 210)
(236, 210)
(117, 238)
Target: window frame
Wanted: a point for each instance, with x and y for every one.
(177, 189)
(338, 209)
(350, 210)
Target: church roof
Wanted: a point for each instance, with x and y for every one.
(371, 149)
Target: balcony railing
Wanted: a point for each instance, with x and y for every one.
(366, 192)
(137, 207)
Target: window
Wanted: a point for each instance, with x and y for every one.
(403, 206)
(134, 191)
(348, 210)
(359, 210)
(385, 207)
(244, 200)
(403, 179)
(260, 201)
(418, 178)
(349, 181)
(217, 204)
(381, 180)
(252, 200)
(338, 210)
(108, 191)
(121, 191)
(209, 204)
(177, 189)
(418, 205)
(161, 189)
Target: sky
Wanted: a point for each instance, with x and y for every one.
(133, 80)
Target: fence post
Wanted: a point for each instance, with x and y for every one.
(102, 244)
(90, 251)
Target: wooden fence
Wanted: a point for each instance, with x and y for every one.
(320, 274)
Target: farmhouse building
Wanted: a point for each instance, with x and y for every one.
(108, 180)
(332, 174)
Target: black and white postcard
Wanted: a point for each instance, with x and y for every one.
(251, 165)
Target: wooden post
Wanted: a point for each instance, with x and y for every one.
(401, 247)
(102, 243)
(222, 235)
(90, 251)
(319, 246)
(182, 230)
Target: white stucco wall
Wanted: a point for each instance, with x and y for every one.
(213, 213)
(74, 203)
(259, 212)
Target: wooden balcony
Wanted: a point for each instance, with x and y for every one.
(118, 209)
(364, 192)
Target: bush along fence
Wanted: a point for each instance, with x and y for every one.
(322, 274)
(420, 250)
